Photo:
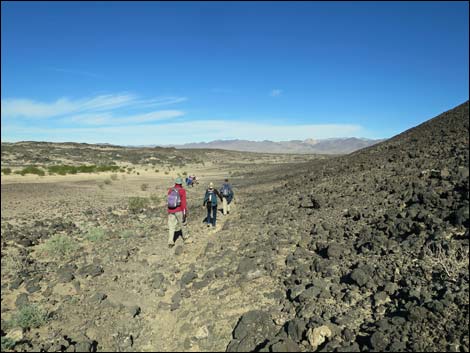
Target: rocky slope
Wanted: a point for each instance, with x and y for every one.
(379, 245)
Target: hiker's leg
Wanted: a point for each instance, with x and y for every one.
(214, 215)
(208, 219)
(224, 205)
(171, 228)
(184, 233)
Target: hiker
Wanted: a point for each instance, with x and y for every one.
(227, 196)
(189, 181)
(210, 201)
(177, 211)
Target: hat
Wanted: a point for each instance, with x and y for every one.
(179, 181)
(211, 185)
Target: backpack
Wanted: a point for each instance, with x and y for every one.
(212, 197)
(225, 190)
(174, 198)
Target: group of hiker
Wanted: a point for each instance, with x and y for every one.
(178, 209)
(191, 180)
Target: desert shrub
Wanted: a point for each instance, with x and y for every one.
(95, 234)
(167, 172)
(138, 173)
(101, 186)
(70, 169)
(114, 177)
(185, 173)
(32, 170)
(107, 181)
(144, 187)
(6, 171)
(125, 234)
(137, 204)
(29, 316)
(155, 199)
(156, 170)
(58, 246)
(13, 263)
(449, 260)
(7, 343)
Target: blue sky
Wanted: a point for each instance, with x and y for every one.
(176, 72)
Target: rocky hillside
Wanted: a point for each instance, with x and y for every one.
(379, 244)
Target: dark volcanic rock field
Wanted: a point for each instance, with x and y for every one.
(379, 244)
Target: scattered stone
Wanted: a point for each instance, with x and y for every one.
(134, 310)
(317, 336)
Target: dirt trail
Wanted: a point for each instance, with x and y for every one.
(129, 291)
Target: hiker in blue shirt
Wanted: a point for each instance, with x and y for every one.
(227, 196)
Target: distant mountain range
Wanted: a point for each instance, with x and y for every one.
(322, 146)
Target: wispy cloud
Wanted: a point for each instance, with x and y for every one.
(275, 92)
(27, 108)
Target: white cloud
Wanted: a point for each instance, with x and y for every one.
(27, 108)
(276, 92)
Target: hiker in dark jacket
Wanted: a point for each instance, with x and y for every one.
(227, 196)
(210, 201)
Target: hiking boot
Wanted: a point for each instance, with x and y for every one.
(208, 225)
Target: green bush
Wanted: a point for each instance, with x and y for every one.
(31, 170)
(137, 204)
(6, 171)
(29, 316)
(95, 234)
(58, 246)
(155, 199)
(7, 343)
(125, 234)
(70, 169)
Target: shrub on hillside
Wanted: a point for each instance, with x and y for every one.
(29, 316)
(137, 204)
(31, 170)
(58, 246)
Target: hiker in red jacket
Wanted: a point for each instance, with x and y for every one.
(177, 211)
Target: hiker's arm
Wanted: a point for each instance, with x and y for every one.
(183, 202)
